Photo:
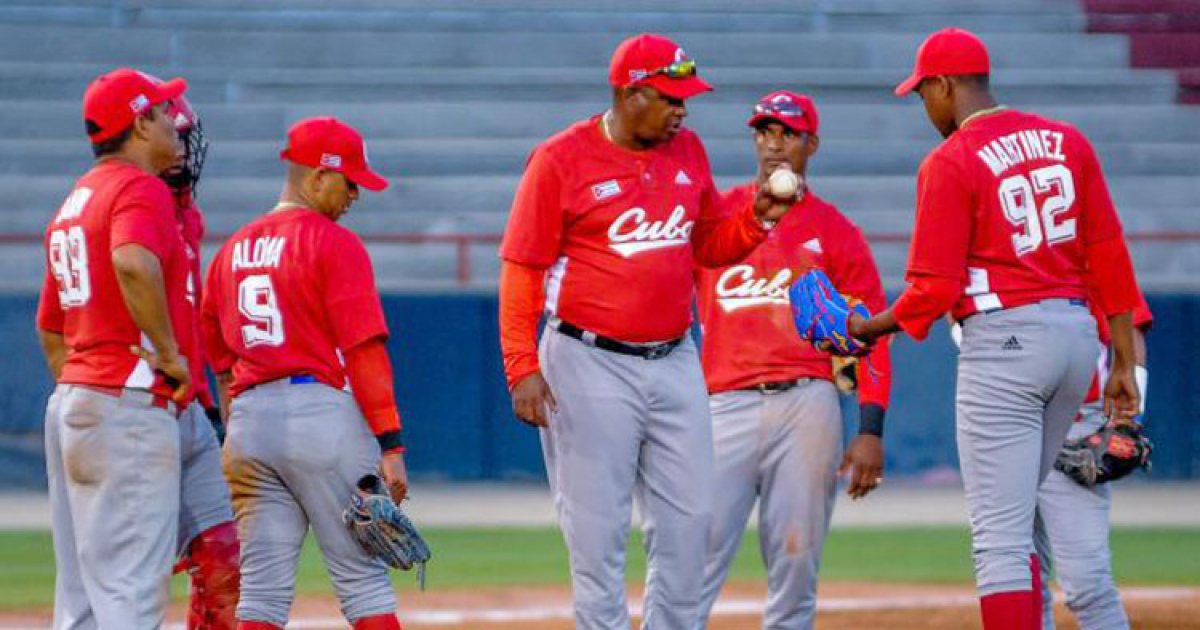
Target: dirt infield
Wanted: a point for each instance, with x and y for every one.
(841, 606)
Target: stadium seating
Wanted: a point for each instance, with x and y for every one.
(453, 94)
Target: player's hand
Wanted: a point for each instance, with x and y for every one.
(395, 475)
(172, 367)
(769, 207)
(864, 461)
(531, 397)
(1122, 401)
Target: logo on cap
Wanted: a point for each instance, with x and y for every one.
(139, 103)
(331, 161)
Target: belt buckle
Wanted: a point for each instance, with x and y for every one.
(658, 352)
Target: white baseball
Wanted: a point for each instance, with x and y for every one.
(783, 183)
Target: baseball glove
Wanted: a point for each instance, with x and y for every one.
(822, 314)
(382, 529)
(1106, 455)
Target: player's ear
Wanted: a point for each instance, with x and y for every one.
(811, 144)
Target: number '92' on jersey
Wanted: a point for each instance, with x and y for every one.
(1012, 199)
(286, 295)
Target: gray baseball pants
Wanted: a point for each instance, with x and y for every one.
(630, 428)
(293, 455)
(782, 449)
(1072, 543)
(112, 464)
(1022, 375)
(204, 500)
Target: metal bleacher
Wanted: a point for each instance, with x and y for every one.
(453, 94)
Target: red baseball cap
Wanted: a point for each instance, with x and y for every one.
(948, 52)
(658, 62)
(794, 111)
(114, 100)
(330, 143)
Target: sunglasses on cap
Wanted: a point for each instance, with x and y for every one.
(786, 108)
(679, 70)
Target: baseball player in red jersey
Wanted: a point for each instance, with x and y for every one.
(291, 318)
(1014, 223)
(608, 222)
(207, 539)
(115, 326)
(777, 421)
(1073, 520)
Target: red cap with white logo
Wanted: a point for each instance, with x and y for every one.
(114, 100)
(332, 144)
(794, 111)
(658, 62)
(948, 52)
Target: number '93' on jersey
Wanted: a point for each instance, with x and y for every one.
(1008, 204)
(112, 205)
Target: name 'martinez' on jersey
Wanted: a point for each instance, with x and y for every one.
(1009, 150)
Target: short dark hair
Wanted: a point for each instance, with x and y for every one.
(979, 81)
(109, 146)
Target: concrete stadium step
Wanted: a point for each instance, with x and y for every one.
(792, 18)
(436, 157)
(32, 200)
(348, 50)
(899, 120)
(539, 85)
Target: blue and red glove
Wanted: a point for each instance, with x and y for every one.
(821, 314)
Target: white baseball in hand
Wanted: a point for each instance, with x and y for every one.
(783, 183)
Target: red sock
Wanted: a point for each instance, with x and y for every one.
(1035, 564)
(1008, 611)
(378, 622)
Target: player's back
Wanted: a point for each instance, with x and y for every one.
(1037, 197)
(279, 287)
(113, 204)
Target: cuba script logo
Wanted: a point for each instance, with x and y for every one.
(631, 234)
(739, 288)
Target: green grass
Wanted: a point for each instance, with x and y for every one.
(502, 556)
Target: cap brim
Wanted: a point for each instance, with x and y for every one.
(173, 88)
(908, 85)
(367, 179)
(679, 88)
(757, 118)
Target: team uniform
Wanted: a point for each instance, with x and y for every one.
(616, 234)
(286, 298)
(1014, 221)
(111, 433)
(777, 421)
(1073, 522)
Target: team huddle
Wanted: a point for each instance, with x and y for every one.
(617, 231)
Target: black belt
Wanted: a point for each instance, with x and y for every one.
(648, 352)
(774, 387)
(1071, 301)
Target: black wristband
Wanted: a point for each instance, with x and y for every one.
(390, 441)
(870, 419)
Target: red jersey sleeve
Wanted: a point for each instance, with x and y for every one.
(219, 356)
(937, 256)
(351, 299)
(49, 312)
(854, 273)
(144, 214)
(726, 230)
(1100, 220)
(535, 224)
(1109, 267)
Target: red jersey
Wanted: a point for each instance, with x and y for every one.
(286, 295)
(114, 204)
(621, 231)
(749, 335)
(191, 228)
(1007, 206)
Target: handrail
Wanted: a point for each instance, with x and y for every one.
(463, 242)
